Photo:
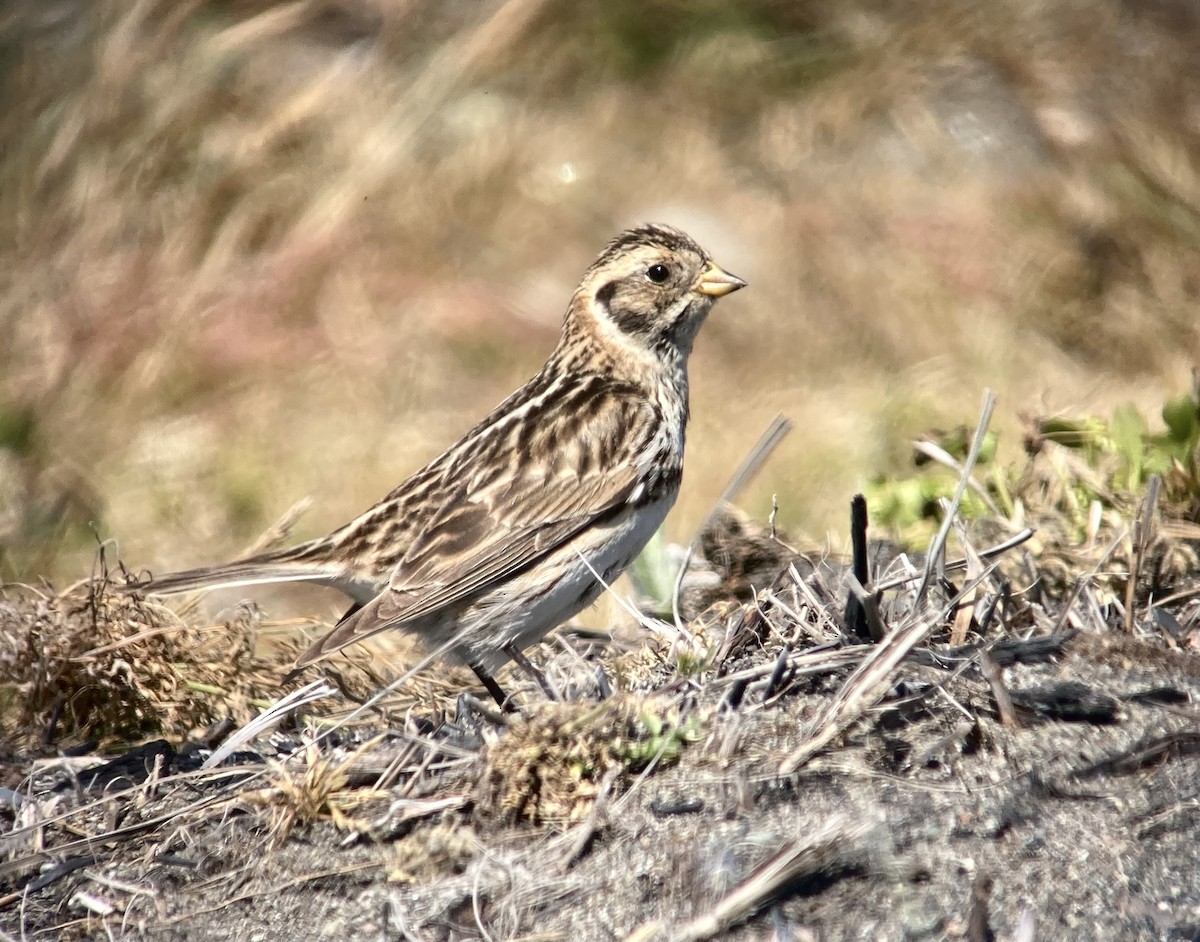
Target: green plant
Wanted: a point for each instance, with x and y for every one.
(909, 506)
(1131, 453)
(1073, 466)
(660, 739)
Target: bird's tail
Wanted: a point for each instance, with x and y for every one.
(287, 566)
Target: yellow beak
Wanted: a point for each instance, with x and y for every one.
(716, 282)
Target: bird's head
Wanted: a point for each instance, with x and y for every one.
(649, 291)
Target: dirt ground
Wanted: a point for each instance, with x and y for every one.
(1039, 781)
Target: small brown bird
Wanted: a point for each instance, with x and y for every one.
(501, 538)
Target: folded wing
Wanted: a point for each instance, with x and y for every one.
(485, 535)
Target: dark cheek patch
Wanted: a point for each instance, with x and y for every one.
(606, 293)
(629, 320)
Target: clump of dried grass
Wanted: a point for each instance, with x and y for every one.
(552, 763)
(302, 793)
(94, 664)
(1098, 539)
(433, 852)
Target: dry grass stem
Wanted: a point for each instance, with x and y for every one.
(837, 844)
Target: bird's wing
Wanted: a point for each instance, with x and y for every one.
(485, 534)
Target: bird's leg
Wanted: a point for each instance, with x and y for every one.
(493, 688)
(527, 666)
(602, 683)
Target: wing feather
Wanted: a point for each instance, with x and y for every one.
(482, 537)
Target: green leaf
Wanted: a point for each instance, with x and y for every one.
(1073, 433)
(1128, 430)
(1182, 418)
(653, 574)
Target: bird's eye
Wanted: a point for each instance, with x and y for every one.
(658, 273)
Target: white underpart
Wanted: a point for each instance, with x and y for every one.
(509, 616)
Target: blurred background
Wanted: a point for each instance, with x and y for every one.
(253, 251)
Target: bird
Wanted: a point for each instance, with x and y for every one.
(523, 522)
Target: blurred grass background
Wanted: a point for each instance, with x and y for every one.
(251, 251)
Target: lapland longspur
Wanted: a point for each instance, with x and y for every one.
(503, 536)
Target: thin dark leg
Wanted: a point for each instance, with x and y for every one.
(602, 683)
(527, 666)
(493, 688)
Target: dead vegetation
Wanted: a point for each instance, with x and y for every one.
(247, 246)
(91, 668)
(937, 752)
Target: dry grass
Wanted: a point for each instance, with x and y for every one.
(758, 780)
(550, 768)
(95, 667)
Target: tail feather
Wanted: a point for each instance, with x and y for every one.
(239, 573)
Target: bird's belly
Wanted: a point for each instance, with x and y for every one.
(521, 612)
